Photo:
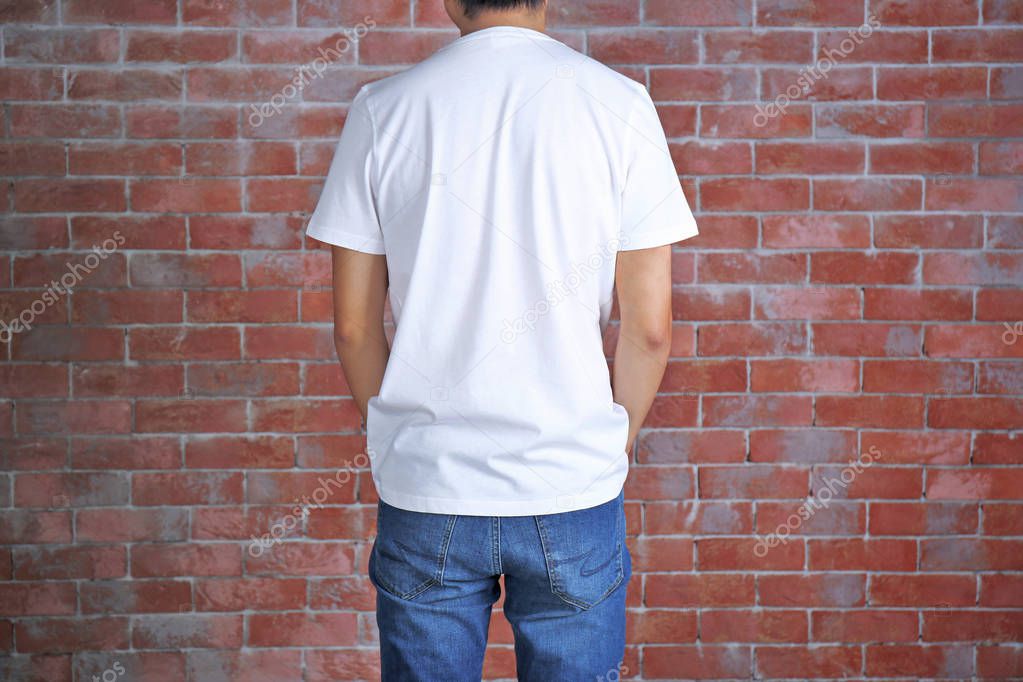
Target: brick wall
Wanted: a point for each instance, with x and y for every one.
(855, 291)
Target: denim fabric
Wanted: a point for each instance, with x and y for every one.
(565, 578)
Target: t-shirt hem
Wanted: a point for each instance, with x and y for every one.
(660, 238)
(483, 507)
(347, 240)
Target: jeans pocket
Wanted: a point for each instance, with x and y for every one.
(409, 550)
(584, 550)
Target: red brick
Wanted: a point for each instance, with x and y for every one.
(303, 629)
(899, 46)
(196, 195)
(181, 631)
(970, 554)
(243, 379)
(71, 634)
(870, 120)
(97, 381)
(960, 626)
(234, 13)
(70, 195)
(933, 13)
(928, 231)
(126, 85)
(807, 303)
(190, 416)
(697, 662)
(1001, 591)
(813, 231)
(917, 304)
(173, 560)
(861, 555)
(87, 121)
(23, 83)
(808, 13)
(992, 484)
(975, 413)
(183, 47)
(263, 594)
(978, 45)
(758, 338)
(923, 590)
(70, 490)
(864, 626)
(810, 158)
(917, 376)
(918, 448)
(273, 664)
(127, 307)
(884, 411)
(136, 452)
(69, 563)
(262, 452)
(870, 339)
(698, 13)
(756, 46)
(349, 14)
(78, 417)
(187, 488)
(997, 448)
(37, 599)
(150, 596)
(304, 558)
(919, 661)
(824, 662)
(131, 525)
(179, 343)
(746, 626)
(804, 446)
(139, 232)
(975, 120)
(305, 416)
(819, 589)
(756, 121)
(926, 518)
(231, 232)
(179, 270)
(999, 662)
(645, 46)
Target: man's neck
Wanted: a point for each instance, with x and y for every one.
(531, 20)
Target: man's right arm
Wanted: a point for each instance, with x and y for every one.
(643, 283)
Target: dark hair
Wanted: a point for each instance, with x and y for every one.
(474, 7)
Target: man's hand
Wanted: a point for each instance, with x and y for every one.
(360, 292)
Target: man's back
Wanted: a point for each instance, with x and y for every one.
(500, 178)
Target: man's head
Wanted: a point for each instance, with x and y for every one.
(473, 15)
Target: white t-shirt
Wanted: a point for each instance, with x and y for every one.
(500, 177)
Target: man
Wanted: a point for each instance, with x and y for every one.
(495, 194)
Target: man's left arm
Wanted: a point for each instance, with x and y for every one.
(360, 293)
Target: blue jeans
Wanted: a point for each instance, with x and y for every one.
(565, 579)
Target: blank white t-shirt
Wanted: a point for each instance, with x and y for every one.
(500, 177)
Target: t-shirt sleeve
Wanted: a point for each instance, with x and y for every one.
(654, 208)
(346, 212)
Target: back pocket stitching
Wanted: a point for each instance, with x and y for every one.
(436, 579)
(553, 573)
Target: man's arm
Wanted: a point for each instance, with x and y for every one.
(360, 291)
(643, 282)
